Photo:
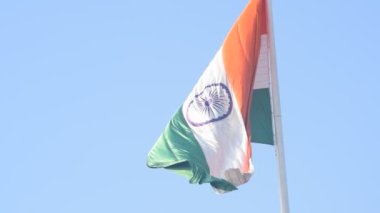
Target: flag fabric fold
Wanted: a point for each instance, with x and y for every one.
(208, 140)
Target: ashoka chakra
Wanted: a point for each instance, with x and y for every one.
(213, 104)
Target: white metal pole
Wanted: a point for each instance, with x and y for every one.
(279, 147)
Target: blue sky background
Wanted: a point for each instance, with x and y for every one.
(86, 87)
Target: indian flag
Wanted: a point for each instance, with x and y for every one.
(208, 140)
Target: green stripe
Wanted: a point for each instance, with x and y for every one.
(178, 150)
(261, 117)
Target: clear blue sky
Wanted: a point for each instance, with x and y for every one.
(86, 87)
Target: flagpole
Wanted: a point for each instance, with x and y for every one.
(276, 110)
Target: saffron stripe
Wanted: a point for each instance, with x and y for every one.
(241, 51)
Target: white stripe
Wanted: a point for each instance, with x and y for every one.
(224, 142)
(262, 79)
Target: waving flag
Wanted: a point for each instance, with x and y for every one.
(209, 138)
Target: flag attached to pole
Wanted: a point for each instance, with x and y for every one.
(208, 138)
